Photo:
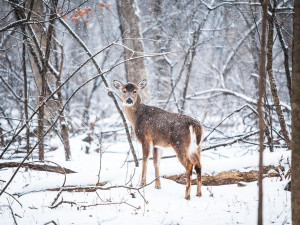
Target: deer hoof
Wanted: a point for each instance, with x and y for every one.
(157, 187)
(188, 197)
(199, 194)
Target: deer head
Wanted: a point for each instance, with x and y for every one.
(130, 91)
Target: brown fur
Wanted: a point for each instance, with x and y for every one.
(155, 127)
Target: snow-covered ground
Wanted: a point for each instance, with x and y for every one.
(226, 204)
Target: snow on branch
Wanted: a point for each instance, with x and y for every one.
(230, 92)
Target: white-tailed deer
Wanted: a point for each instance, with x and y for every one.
(156, 129)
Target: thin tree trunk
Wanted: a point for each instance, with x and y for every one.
(25, 89)
(63, 125)
(296, 118)
(26, 102)
(262, 81)
(1, 136)
(44, 80)
(268, 124)
(273, 82)
(285, 53)
(41, 116)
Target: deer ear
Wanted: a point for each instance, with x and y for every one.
(117, 84)
(142, 84)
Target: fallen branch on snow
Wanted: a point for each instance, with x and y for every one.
(79, 206)
(85, 188)
(38, 167)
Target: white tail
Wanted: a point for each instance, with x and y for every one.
(156, 128)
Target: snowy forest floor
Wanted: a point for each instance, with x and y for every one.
(110, 204)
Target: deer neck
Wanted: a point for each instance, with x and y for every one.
(131, 112)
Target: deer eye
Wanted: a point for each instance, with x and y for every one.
(134, 91)
(124, 91)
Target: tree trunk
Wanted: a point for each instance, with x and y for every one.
(129, 21)
(39, 44)
(296, 118)
(160, 65)
(262, 81)
(62, 120)
(286, 56)
(285, 50)
(25, 89)
(273, 83)
(41, 117)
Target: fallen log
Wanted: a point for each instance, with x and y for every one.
(229, 177)
(39, 167)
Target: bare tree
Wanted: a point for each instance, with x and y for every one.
(262, 81)
(40, 44)
(272, 79)
(296, 118)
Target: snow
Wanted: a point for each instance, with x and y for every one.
(226, 204)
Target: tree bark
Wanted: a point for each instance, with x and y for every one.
(62, 120)
(25, 88)
(262, 81)
(160, 65)
(43, 75)
(296, 118)
(285, 50)
(129, 21)
(273, 82)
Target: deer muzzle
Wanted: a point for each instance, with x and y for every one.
(129, 101)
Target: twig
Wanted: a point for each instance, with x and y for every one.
(52, 221)
(238, 110)
(131, 205)
(87, 188)
(61, 202)
(65, 178)
(14, 198)
(92, 205)
(12, 212)
(236, 94)
(131, 177)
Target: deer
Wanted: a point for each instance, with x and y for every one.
(158, 129)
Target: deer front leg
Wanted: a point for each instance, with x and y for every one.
(146, 151)
(189, 168)
(156, 162)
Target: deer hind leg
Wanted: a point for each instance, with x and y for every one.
(156, 162)
(146, 152)
(195, 159)
(189, 168)
(188, 165)
(198, 169)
